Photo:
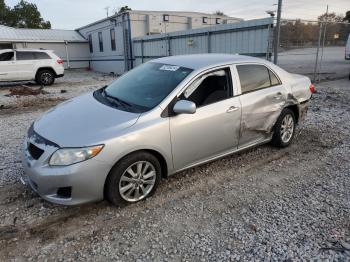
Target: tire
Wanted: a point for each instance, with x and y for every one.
(45, 77)
(121, 191)
(284, 130)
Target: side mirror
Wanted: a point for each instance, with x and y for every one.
(184, 107)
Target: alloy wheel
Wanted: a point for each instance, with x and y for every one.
(137, 181)
(287, 128)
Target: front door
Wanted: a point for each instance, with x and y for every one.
(7, 66)
(214, 128)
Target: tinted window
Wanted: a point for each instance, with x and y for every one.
(210, 88)
(41, 55)
(253, 77)
(25, 56)
(100, 41)
(112, 32)
(147, 85)
(90, 44)
(8, 56)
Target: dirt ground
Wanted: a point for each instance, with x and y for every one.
(263, 204)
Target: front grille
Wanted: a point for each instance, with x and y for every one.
(35, 151)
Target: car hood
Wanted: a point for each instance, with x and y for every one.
(83, 121)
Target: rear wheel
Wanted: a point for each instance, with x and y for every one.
(133, 179)
(45, 77)
(284, 129)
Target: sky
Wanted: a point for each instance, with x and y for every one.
(72, 14)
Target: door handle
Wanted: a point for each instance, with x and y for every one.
(231, 109)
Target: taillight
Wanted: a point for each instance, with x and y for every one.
(59, 61)
(312, 88)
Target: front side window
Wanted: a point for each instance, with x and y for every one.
(8, 56)
(25, 55)
(147, 85)
(210, 88)
(255, 77)
(90, 44)
(100, 41)
(112, 32)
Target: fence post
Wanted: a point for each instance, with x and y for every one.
(208, 38)
(317, 52)
(141, 51)
(169, 48)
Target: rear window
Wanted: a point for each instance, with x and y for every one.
(8, 56)
(31, 55)
(255, 77)
(41, 55)
(24, 55)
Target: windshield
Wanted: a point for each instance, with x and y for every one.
(147, 85)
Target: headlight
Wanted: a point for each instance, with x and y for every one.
(69, 156)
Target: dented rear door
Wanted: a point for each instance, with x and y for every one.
(262, 98)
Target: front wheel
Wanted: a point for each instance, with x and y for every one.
(284, 129)
(133, 179)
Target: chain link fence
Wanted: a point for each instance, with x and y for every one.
(315, 49)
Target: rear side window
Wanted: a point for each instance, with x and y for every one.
(25, 55)
(255, 77)
(41, 55)
(8, 56)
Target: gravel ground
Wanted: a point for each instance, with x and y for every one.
(264, 204)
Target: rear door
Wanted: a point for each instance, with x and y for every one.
(7, 66)
(263, 98)
(214, 128)
(25, 65)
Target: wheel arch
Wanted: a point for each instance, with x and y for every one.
(295, 109)
(45, 68)
(158, 155)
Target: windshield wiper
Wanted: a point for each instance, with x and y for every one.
(116, 99)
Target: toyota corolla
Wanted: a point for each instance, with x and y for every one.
(164, 116)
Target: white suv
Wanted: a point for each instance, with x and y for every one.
(42, 66)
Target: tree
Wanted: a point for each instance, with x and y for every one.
(347, 17)
(219, 13)
(23, 15)
(124, 9)
(330, 17)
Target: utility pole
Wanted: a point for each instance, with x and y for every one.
(277, 32)
(107, 9)
(323, 43)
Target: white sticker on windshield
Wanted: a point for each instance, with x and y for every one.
(169, 68)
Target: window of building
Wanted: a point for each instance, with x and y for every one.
(100, 41)
(112, 33)
(210, 88)
(166, 18)
(25, 55)
(255, 77)
(218, 21)
(205, 20)
(90, 44)
(8, 56)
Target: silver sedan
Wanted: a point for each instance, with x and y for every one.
(163, 117)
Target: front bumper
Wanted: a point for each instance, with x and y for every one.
(85, 179)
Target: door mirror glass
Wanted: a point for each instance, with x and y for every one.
(184, 107)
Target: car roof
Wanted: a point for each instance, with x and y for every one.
(25, 50)
(200, 61)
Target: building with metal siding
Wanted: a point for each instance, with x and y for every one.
(68, 44)
(131, 24)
